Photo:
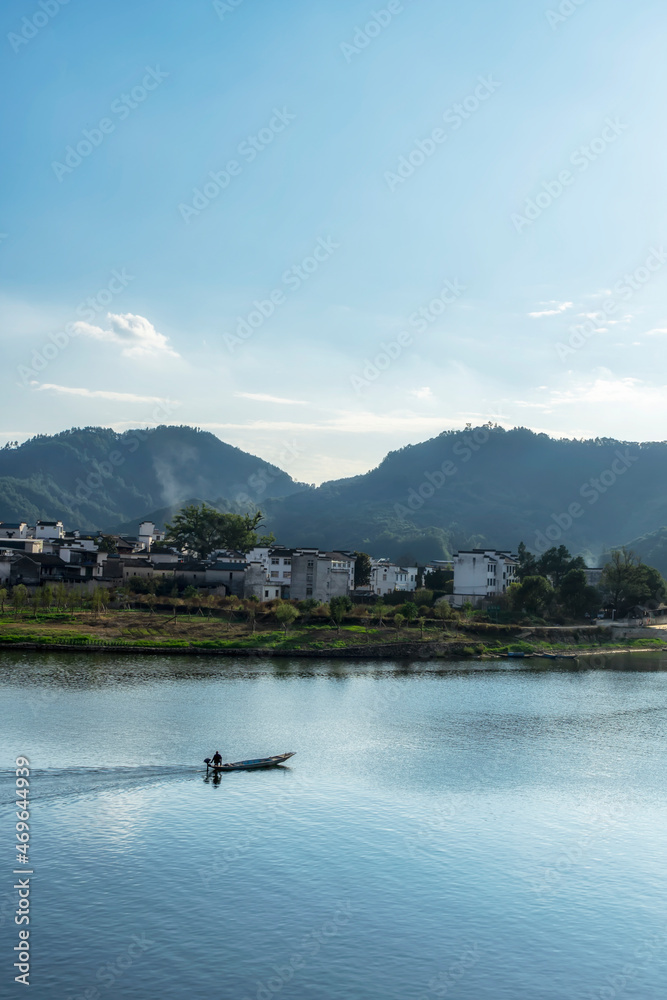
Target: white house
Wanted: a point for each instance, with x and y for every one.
(148, 534)
(13, 529)
(482, 573)
(49, 529)
(386, 577)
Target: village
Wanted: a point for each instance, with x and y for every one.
(47, 553)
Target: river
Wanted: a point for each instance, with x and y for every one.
(475, 830)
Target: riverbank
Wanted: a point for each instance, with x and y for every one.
(141, 632)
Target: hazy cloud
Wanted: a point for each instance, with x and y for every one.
(262, 397)
(556, 308)
(127, 397)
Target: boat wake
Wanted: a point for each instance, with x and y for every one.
(68, 782)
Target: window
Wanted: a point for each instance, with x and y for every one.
(287, 562)
(309, 591)
(266, 593)
(275, 562)
(310, 564)
(274, 574)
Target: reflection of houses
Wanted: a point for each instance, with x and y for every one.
(481, 574)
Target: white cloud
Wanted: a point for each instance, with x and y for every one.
(424, 393)
(631, 393)
(262, 397)
(556, 308)
(656, 332)
(136, 334)
(127, 397)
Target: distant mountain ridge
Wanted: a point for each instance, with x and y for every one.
(93, 476)
(480, 486)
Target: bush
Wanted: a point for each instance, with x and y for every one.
(423, 597)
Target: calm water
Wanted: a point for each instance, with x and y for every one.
(477, 832)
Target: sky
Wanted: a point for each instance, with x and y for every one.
(325, 230)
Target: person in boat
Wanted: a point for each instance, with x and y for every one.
(217, 759)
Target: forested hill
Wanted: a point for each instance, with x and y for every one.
(487, 486)
(93, 476)
(479, 486)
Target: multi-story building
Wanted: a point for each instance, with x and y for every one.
(386, 577)
(482, 573)
(320, 575)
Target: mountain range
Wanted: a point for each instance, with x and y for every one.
(480, 486)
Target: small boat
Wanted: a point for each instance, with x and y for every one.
(249, 765)
(518, 656)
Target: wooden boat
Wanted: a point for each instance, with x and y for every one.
(249, 765)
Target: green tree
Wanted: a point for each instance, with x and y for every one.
(439, 579)
(61, 596)
(201, 530)
(98, 600)
(338, 608)
(3, 598)
(410, 611)
(362, 569)
(575, 595)
(107, 544)
(399, 620)
(443, 610)
(527, 562)
(380, 610)
(19, 596)
(534, 595)
(424, 597)
(627, 581)
(73, 600)
(286, 614)
(46, 596)
(556, 562)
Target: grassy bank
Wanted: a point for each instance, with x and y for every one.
(138, 629)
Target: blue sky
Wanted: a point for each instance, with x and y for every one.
(498, 167)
